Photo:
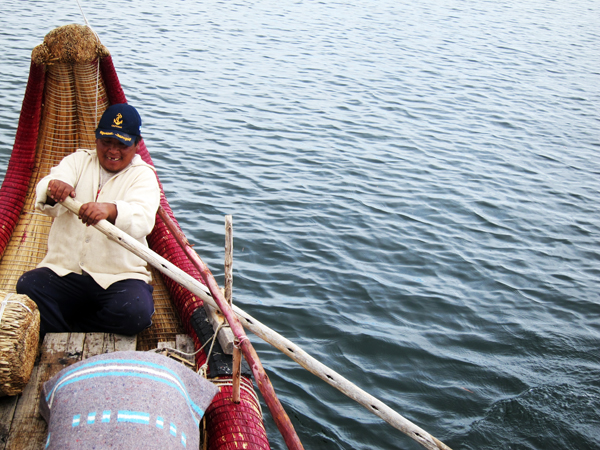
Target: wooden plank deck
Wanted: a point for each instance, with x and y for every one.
(21, 426)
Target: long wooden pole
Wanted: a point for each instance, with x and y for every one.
(289, 348)
(260, 376)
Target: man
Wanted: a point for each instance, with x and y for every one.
(87, 282)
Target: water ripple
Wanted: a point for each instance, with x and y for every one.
(414, 189)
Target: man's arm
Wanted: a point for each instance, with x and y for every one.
(60, 182)
(137, 209)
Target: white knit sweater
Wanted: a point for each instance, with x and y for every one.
(75, 247)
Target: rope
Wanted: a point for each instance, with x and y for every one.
(98, 68)
(97, 86)
(238, 342)
(213, 339)
(6, 301)
(158, 350)
(86, 21)
(202, 368)
(229, 382)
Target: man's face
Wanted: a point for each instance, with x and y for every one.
(114, 156)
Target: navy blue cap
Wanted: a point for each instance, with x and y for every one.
(120, 121)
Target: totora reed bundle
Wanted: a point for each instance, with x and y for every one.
(19, 339)
(73, 44)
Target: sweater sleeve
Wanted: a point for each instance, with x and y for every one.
(67, 170)
(136, 210)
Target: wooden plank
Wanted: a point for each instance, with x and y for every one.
(100, 343)
(166, 345)
(124, 343)
(7, 411)
(185, 344)
(73, 349)
(94, 345)
(28, 430)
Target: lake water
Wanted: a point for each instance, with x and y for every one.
(415, 191)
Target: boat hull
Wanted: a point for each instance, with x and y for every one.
(64, 100)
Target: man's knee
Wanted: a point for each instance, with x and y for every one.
(137, 314)
(33, 281)
(133, 307)
(25, 283)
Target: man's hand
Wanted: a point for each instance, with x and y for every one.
(58, 191)
(92, 213)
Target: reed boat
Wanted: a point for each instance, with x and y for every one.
(72, 81)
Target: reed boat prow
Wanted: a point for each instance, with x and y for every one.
(72, 81)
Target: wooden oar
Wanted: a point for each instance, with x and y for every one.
(289, 348)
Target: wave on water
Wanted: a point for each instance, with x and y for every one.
(414, 189)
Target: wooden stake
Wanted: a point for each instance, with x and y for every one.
(237, 353)
(228, 258)
(237, 366)
(331, 377)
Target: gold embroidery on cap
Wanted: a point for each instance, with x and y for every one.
(110, 133)
(123, 137)
(118, 121)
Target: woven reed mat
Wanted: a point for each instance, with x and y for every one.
(75, 98)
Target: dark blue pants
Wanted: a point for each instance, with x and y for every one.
(76, 303)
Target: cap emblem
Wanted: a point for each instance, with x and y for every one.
(118, 121)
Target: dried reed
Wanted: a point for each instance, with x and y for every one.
(69, 44)
(19, 339)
